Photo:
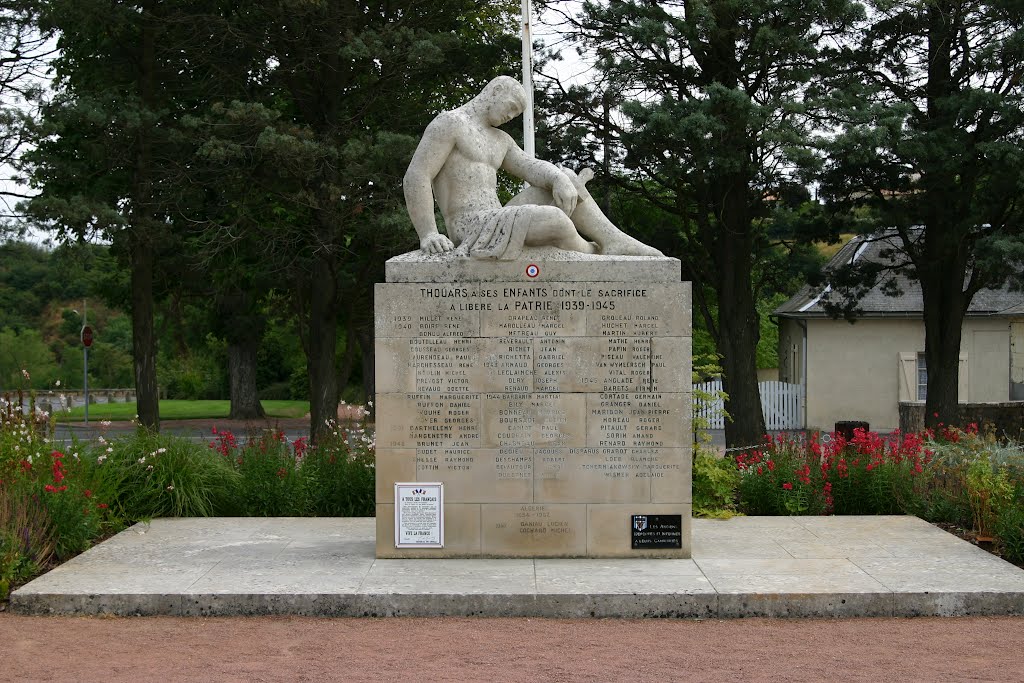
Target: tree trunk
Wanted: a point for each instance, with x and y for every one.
(942, 261)
(739, 327)
(738, 333)
(141, 245)
(245, 401)
(945, 304)
(323, 334)
(143, 337)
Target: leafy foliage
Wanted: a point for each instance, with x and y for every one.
(714, 485)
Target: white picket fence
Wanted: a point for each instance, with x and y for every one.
(781, 402)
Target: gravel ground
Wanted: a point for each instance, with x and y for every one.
(492, 650)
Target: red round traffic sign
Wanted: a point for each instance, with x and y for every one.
(86, 336)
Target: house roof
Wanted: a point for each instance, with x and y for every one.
(807, 303)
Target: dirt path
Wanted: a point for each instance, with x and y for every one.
(492, 650)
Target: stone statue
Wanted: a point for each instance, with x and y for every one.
(457, 164)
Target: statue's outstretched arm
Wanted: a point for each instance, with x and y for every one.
(430, 155)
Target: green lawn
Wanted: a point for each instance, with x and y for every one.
(181, 410)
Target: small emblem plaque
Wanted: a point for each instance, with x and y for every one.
(657, 531)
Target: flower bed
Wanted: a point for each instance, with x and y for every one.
(957, 478)
(56, 502)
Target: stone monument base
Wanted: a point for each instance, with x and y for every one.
(549, 395)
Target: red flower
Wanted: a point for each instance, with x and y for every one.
(102, 506)
(87, 493)
(57, 454)
(787, 486)
(771, 465)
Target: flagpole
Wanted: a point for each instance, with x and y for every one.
(528, 144)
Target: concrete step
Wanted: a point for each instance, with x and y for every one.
(742, 567)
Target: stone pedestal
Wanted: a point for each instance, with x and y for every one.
(551, 396)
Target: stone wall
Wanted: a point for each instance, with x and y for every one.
(1007, 418)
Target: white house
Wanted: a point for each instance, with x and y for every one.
(863, 370)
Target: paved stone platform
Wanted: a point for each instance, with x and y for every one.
(743, 567)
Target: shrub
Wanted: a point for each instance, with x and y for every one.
(192, 377)
(714, 485)
(278, 391)
(1009, 530)
(339, 474)
(298, 384)
(48, 501)
(26, 538)
(269, 485)
(334, 479)
(783, 478)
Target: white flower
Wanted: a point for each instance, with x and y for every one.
(104, 423)
(161, 450)
(24, 373)
(110, 449)
(149, 467)
(99, 460)
(142, 460)
(101, 440)
(171, 487)
(57, 383)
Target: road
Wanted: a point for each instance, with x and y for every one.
(195, 430)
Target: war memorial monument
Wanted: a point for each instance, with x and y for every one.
(533, 365)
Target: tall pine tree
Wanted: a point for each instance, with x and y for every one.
(705, 103)
(929, 100)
